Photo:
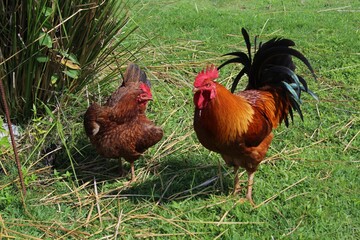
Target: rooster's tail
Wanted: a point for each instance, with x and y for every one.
(273, 66)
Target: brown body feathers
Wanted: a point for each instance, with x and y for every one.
(120, 128)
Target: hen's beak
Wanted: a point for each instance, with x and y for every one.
(147, 98)
(195, 90)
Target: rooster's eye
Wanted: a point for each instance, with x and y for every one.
(208, 85)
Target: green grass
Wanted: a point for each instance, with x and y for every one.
(308, 188)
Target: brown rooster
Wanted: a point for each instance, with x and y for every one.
(120, 128)
(239, 126)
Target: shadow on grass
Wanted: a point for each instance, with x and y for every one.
(177, 177)
(87, 164)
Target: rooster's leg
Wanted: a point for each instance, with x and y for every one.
(237, 187)
(249, 187)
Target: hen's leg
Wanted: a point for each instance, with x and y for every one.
(133, 177)
(249, 187)
(237, 187)
(120, 167)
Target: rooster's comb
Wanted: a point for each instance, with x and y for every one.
(210, 73)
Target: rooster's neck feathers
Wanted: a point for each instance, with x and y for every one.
(226, 108)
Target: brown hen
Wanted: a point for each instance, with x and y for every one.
(120, 128)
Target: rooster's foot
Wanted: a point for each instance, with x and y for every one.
(243, 200)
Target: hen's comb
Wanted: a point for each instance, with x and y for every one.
(145, 88)
(210, 73)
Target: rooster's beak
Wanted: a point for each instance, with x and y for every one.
(195, 90)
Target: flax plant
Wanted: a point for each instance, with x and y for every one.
(51, 48)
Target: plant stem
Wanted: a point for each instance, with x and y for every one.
(7, 114)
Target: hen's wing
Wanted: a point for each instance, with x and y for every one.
(149, 136)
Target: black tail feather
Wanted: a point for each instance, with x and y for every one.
(240, 58)
(272, 65)
(237, 79)
(247, 41)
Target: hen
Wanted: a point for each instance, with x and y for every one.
(120, 128)
(239, 126)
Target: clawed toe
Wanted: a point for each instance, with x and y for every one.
(243, 200)
(236, 190)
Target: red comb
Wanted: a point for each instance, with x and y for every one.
(210, 73)
(144, 87)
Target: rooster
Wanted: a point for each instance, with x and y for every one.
(239, 126)
(120, 128)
